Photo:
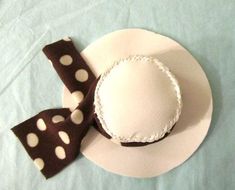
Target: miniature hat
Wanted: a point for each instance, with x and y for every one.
(168, 67)
(147, 98)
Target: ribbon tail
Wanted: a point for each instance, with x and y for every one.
(53, 137)
(71, 67)
(73, 71)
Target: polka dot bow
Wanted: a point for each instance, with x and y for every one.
(52, 138)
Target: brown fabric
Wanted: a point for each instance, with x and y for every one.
(55, 51)
(49, 139)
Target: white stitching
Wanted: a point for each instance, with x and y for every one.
(152, 137)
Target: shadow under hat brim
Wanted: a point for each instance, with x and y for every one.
(189, 131)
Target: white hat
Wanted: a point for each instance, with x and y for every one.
(149, 83)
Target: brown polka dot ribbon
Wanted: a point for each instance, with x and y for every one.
(52, 138)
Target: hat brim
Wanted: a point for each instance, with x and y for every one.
(190, 130)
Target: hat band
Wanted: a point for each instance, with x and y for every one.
(52, 138)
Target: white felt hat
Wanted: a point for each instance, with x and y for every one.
(191, 125)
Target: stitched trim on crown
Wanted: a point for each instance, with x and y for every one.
(154, 136)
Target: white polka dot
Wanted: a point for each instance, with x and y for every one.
(57, 118)
(66, 60)
(81, 75)
(71, 109)
(41, 125)
(64, 137)
(78, 96)
(39, 163)
(60, 152)
(50, 61)
(32, 139)
(77, 116)
(67, 39)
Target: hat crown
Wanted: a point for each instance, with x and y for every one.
(138, 100)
